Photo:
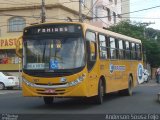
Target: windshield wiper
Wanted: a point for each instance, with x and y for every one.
(43, 58)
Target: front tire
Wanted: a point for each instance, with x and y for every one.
(99, 97)
(48, 100)
(129, 90)
(2, 86)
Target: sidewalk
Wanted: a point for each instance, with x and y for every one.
(151, 82)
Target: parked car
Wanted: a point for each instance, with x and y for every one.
(8, 81)
(146, 75)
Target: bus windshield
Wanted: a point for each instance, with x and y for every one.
(53, 54)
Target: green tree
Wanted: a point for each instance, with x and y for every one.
(150, 40)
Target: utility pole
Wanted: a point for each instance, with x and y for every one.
(80, 11)
(145, 24)
(43, 14)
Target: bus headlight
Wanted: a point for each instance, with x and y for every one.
(28, 83)
(78, 80)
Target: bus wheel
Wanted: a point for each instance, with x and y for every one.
(48, 100)
(2, 86)
(129, 91)
(99, 97)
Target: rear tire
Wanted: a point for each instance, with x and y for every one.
(129, 90)
(2, 86)
(99, 97)
(48, 100)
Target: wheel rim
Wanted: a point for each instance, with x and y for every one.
(101, 92)
(1, 86)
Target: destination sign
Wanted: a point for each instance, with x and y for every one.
(52, 28)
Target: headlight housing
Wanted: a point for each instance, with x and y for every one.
(28, 83)
(77, 81)
(73, 83)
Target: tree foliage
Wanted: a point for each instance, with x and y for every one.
(150, 39)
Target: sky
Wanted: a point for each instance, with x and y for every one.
(151, 13)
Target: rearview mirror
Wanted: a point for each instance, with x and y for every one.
(18, 44)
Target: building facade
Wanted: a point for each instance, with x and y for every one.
(110, 12)
(125, 9)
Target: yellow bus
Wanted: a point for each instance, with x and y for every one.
(78, 60)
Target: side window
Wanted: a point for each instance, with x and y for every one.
(121, 49)
(138, 51)
(133, 51)
(91, 49)
(127, 51)
(102, 47)
(113, 53)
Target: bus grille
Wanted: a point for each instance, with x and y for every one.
(56, 92)
(50, 84)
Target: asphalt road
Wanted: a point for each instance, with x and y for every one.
(144, 100)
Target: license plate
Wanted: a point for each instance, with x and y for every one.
(49, 91)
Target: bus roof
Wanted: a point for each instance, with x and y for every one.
(110, 33)
(96, 29)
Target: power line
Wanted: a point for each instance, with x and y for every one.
(54, 17)
(141, 10)
(96, 16)
(21, 2)
(140, 18)
(68, 2)
(4, 14)
(90, 10)
(131, 12)
(18, 3)
(30, 3)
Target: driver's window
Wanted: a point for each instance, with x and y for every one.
(91, 49)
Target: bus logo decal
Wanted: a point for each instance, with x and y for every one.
(113, 68)
(140, 73)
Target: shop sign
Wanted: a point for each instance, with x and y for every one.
(10, 43)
